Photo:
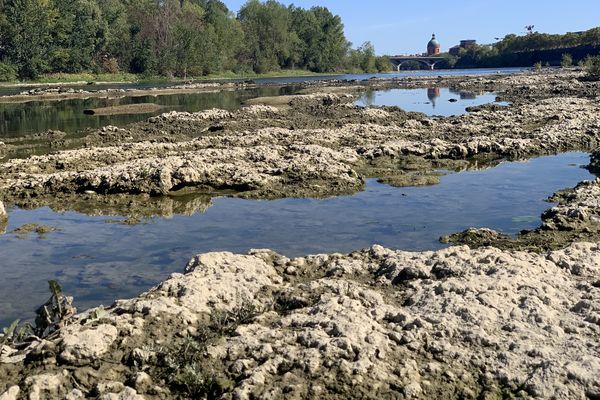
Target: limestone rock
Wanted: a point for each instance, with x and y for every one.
(80, 346)
(126, 394)
(11, 394)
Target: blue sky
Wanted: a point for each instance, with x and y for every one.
(403, 27)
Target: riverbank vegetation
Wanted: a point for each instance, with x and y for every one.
(173, 38)
(534, 47)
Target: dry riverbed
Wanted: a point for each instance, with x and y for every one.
(518, 318)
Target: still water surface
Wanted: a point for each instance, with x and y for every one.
(433, 101)
(18, 119)
(97, 261)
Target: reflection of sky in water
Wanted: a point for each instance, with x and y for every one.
(97, 262)
(432, 101)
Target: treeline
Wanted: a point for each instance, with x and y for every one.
(172, 38)
(527, 50)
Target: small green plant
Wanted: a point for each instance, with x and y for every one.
(187, 369)
(226, 322)
(15, 333)
(537, 67)
(592, 67)
(52, 315)
(566, 60)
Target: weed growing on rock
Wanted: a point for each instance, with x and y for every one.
(51, 316)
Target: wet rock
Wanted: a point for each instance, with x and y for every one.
(475, 237)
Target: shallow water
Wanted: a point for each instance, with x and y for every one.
(433, 101)
(12, 90)
(18, 119)
(97, 261)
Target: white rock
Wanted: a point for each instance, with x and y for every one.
(11, 394)
(126, 394)
(81, 346)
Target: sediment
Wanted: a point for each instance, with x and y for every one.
(505, 317)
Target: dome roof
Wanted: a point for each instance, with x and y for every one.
(433, 42)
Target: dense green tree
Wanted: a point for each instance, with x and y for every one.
(321, 44)
(75, 30)
(267, 34)
(26, 32)
(173, 37)
(115, 50)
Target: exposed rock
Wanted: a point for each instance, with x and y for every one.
(11, 394)
(456, 323)
(46, 386)
(127, 394)
(322, 145)
(83, 346)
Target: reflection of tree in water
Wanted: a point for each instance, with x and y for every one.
(368, 97)
(433, 94)
(466, 95)
(19, 119)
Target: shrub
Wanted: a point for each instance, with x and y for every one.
(7, 72)
(566, 60)
(537, 67)
(592, 67)
(110, 65)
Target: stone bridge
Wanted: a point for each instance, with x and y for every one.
(430, 61)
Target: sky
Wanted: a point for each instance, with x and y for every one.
(405, 26)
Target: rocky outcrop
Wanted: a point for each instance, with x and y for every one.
(456, 323)
(250, 151)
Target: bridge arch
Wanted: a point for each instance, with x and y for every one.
(430, 62)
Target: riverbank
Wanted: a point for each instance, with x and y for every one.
(481, 322)
(456, 323)
(126, 78)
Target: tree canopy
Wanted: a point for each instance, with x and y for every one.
(173, 37)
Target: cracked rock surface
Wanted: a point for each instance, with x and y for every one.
(456, 323)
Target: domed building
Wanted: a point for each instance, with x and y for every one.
(433, 47)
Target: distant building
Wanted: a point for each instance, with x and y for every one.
(464, 44)
(433, 47)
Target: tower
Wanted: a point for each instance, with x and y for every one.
(433, 47)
